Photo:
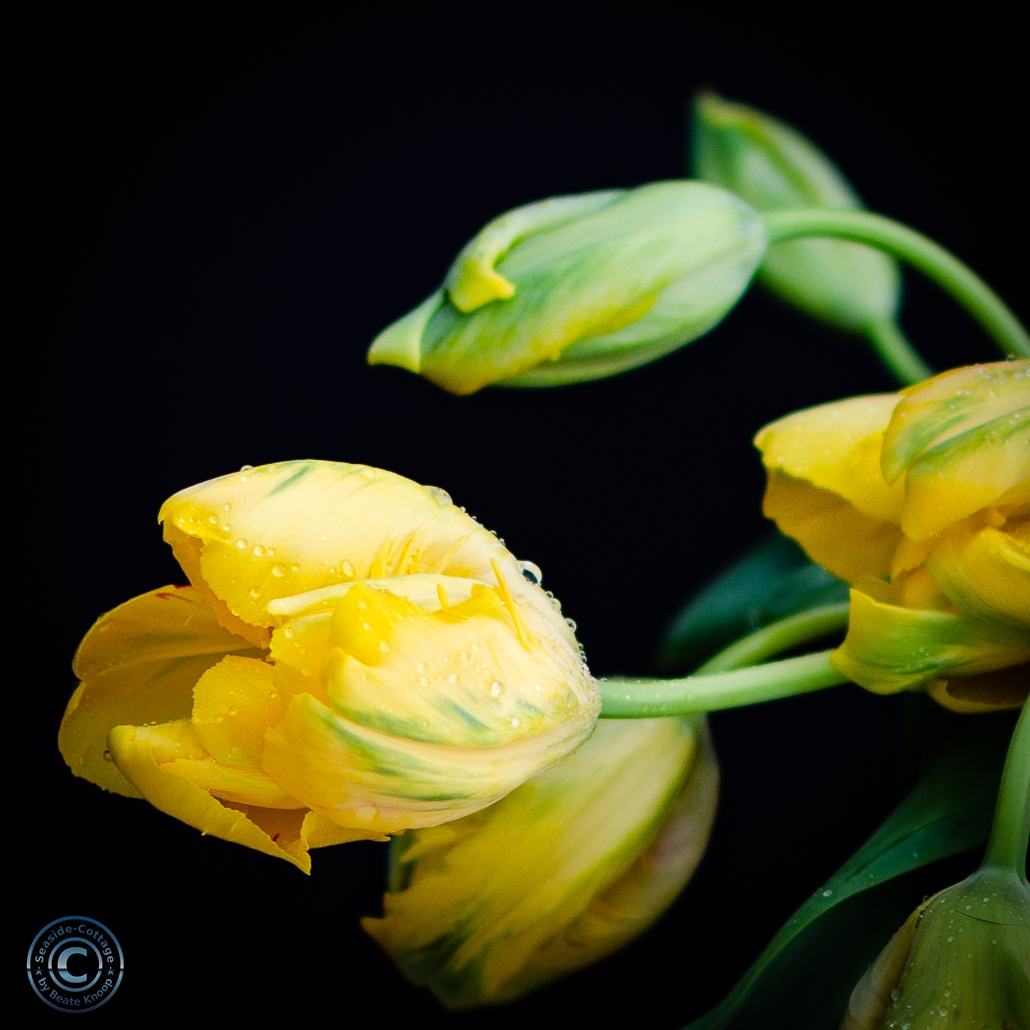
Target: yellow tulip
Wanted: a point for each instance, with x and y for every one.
(563, 871)
(354, 657)
(921, 501)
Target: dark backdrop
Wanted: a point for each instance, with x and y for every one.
(228, 211)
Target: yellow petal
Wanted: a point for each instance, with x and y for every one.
(988, 465)
(836, 447)
(275, 833)
(363, 778)
(139, 664)
(949, 405)
(233, 704)
(983, 692)
(985, 572)
(280, 530)
(889, 648)
(460, 675)
(832, 531)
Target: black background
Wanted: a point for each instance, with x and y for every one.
(223, 214)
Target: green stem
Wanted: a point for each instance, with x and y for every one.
(919, 251)
(645, 699)
(1011, 830)
(896, 352)
(780, 636)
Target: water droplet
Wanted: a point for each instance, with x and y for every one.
(246, 468)
(258, 551)
(362, 603)
(571, 623)
(384, 646)
(235, 611)
(255, 591)
(107, 756)
(306, 670)
(347, 569)
(496, 689)
(515, 721)
(464, 656)
(453, 678)
(234, 709)
(895, 994)
(226, 527)
(278, 569)
(442, 497)
(531, 571)
(241, 544)
(213, 519)
(295, 568)
(227, 506)
(366, 626)
(827, 893)
(423, 681)
(270, 552)
(289, 632)
(950, 938)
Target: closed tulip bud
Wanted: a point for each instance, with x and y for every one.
(355, 656)
(581, 287)
(961, 961)
(773, 167)
(921, 501)
(563, 871)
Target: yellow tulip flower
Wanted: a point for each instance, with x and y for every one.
(354, 657)
(921, 501)
(563, 871)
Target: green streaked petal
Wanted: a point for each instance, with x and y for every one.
(952, 403)
(888, 648)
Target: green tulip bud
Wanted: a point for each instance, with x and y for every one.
(774, 168)
(961, 960)
(581, 287)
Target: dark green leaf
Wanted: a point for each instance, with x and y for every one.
(773, 580)
(805, 975)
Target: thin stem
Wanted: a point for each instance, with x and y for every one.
(780, 636)
(919, 251)
(645, 699)
(896, 352)
(1011, 830)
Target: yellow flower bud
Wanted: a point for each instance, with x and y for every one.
(355, 656)
(581, 287)
(961, 960)
(563, 871)
(921, 501)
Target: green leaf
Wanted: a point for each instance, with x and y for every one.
(804, 977)
(771, 581)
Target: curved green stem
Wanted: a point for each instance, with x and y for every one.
(778, 637)
(919, 251)
(900, 357)
(645, 699)
(1011, 830)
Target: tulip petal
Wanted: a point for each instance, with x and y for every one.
(949, 405)
(280, 530)
(986, 465)
(139, 664)
(984, 691)
(487, 908)
(233, 704)
(460, 676)
(362, 778)
(832, 531)
(275, 833)
(985, 573)
(889, 648)
(836, 447)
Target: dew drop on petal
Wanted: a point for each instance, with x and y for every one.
(347, 569)
(496, 689)
(241, 544)
(279, 570)
(531, 572)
